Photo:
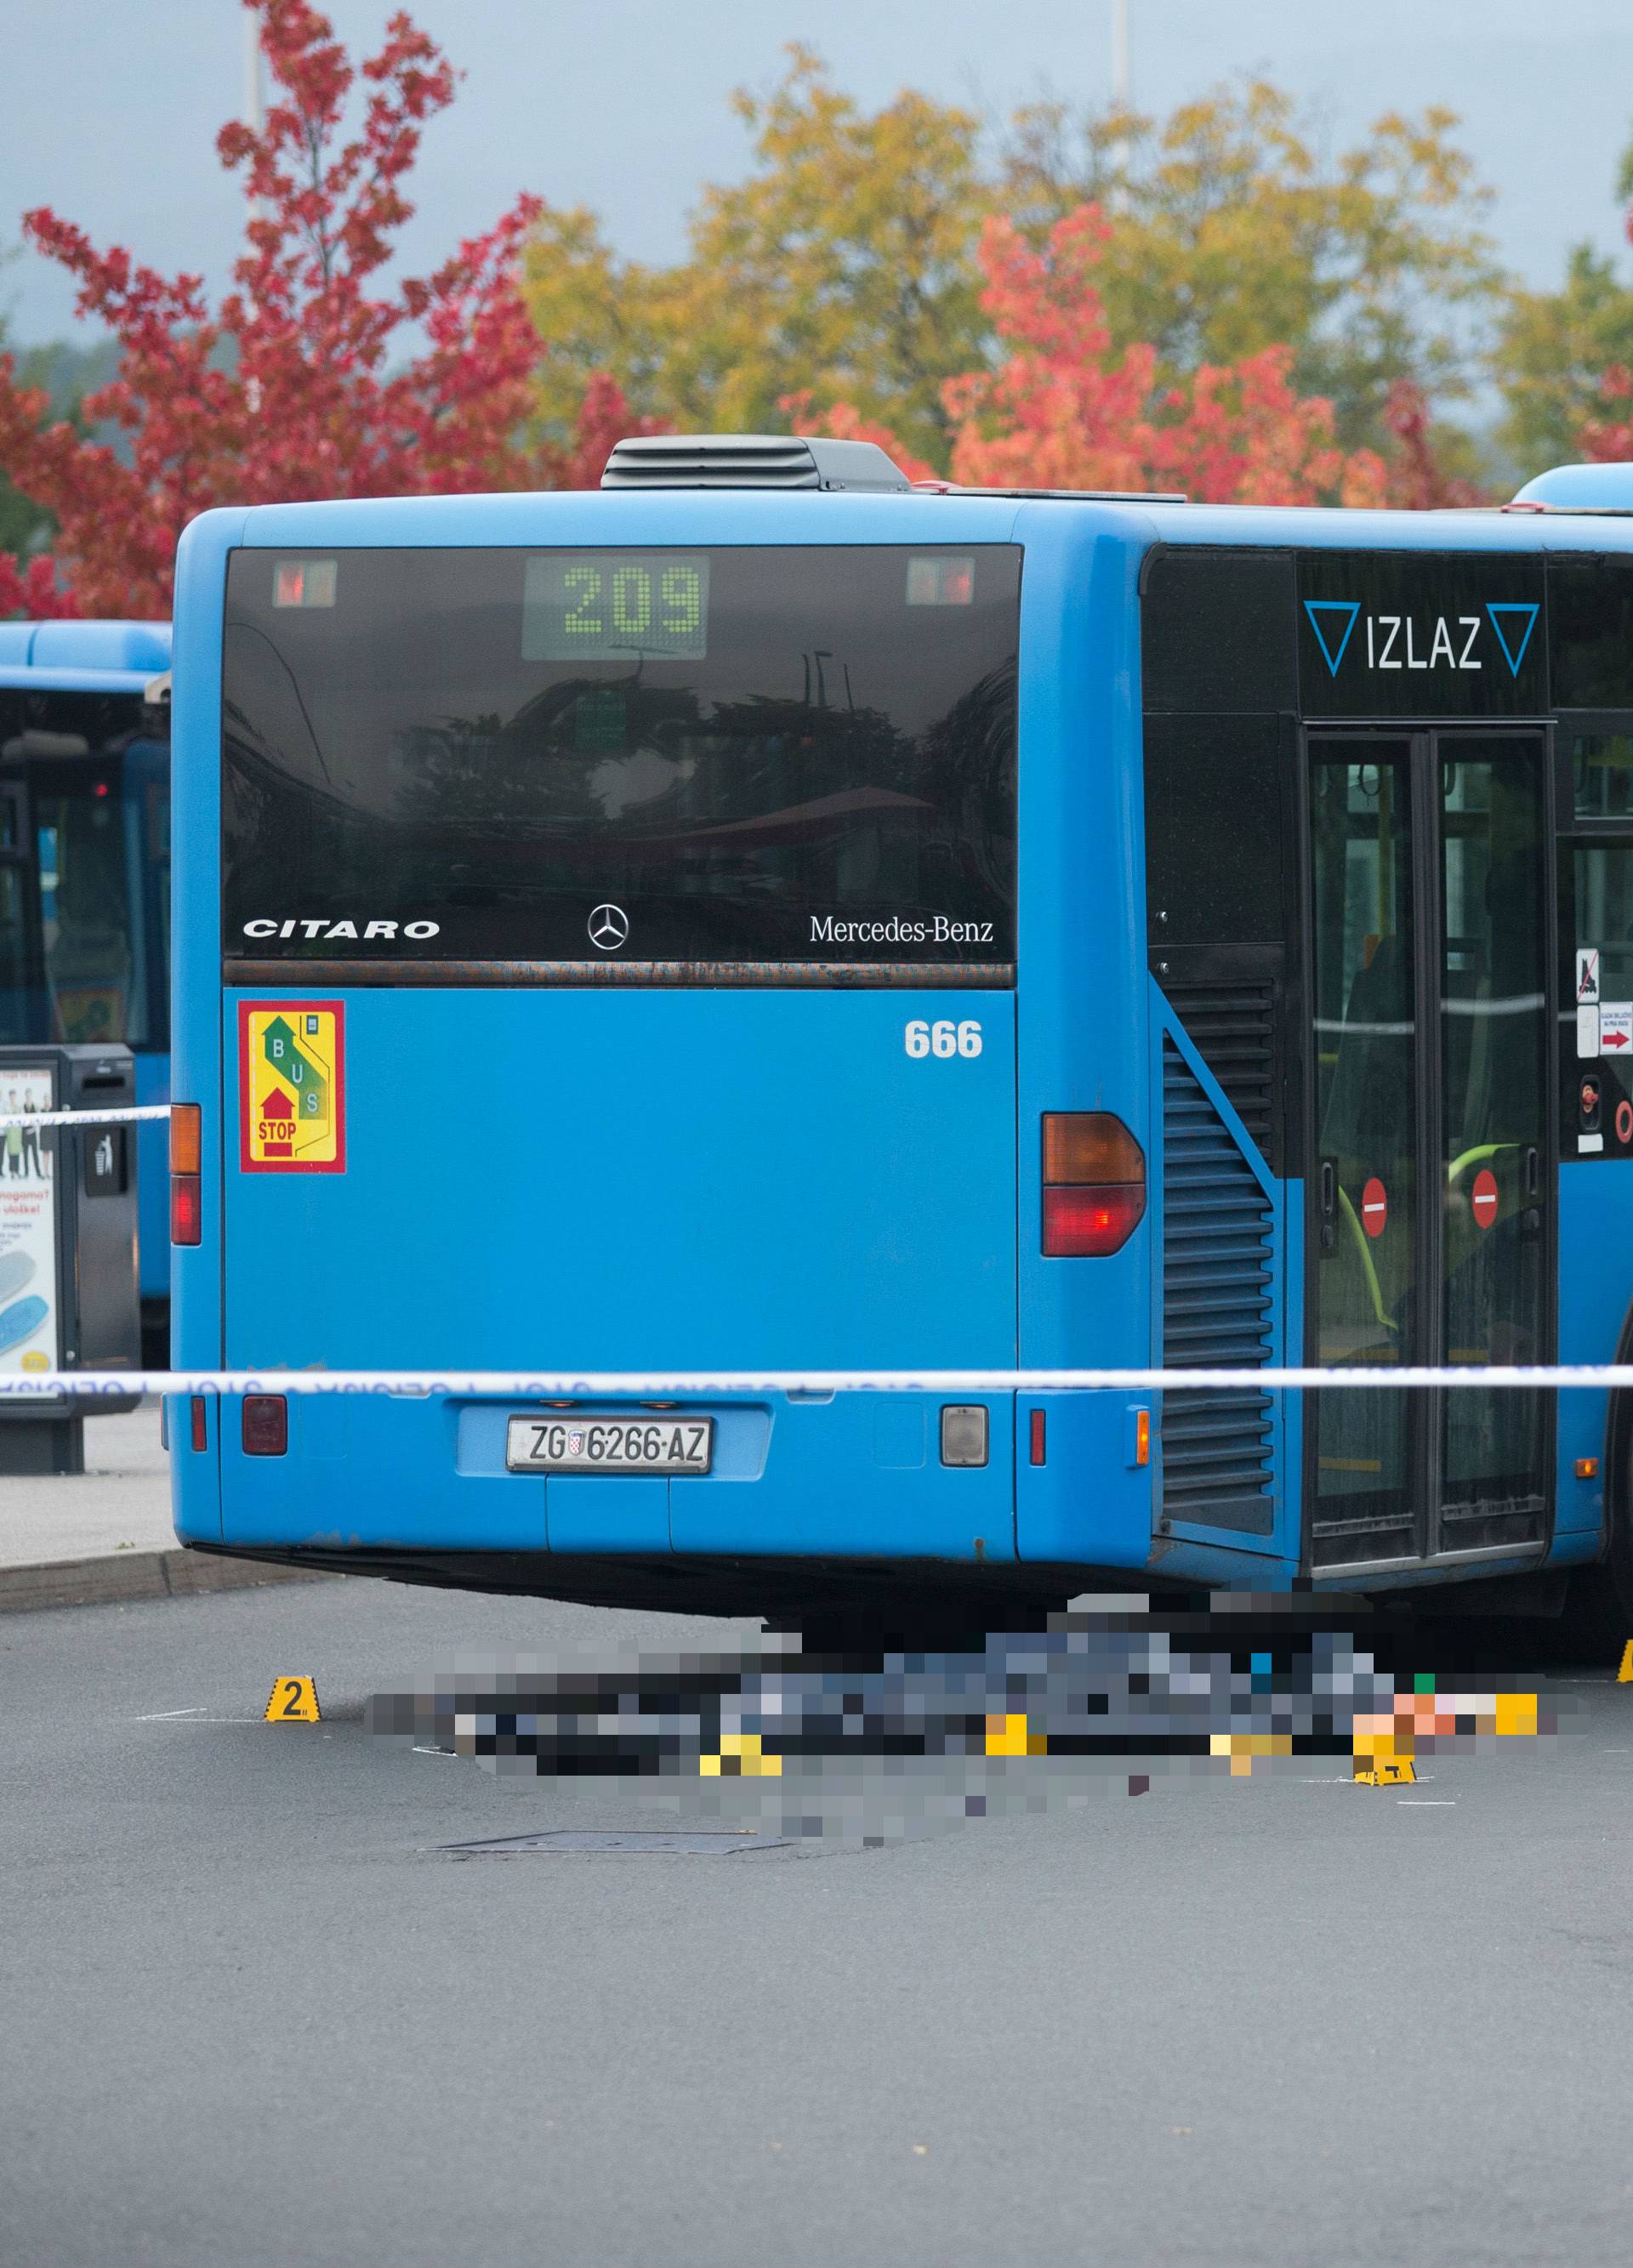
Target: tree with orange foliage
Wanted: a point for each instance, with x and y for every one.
(1066, 409)
(296, 386)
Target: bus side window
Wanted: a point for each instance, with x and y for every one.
(1602, 877)
(1213, 820)
(1219, 667)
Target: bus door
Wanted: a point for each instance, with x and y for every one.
(1431, 1183)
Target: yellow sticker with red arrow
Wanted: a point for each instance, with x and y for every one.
(291, 1064)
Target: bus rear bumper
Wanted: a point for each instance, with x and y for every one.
(850, 1476)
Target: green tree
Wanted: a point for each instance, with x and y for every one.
(843, 266)
(1562, 355)
(1231, 234)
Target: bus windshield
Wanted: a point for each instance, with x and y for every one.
(749, 759)
(83, 873)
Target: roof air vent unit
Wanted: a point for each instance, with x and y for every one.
(1577, 488)
(750, 460)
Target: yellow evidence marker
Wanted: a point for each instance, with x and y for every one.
(1385, 1771)
(293, 1701)
(739, 1757)
(1624, 1676)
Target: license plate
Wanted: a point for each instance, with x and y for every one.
(610, 1445)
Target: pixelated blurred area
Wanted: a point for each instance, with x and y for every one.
(886, 1744)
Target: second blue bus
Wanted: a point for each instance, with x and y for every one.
(84, 871)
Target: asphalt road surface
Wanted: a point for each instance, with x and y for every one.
(251, 2013)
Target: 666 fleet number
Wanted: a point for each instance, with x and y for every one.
(943, 1038)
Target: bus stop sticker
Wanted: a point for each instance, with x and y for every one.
(292, 1063)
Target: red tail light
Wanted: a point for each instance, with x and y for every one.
(1094, 1184)
(1091, 1221)
(266, 1426)
(187, 1209)
(201, 1431)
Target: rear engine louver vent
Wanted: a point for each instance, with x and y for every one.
(1232, 1028)
(1218, 1274)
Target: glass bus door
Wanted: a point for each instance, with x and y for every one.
(1365, 1241)
(1494, 1092)
(1430, 1185)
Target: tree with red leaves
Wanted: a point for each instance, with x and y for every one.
(298, 385)
(32, 591)
(1064, 409)
(1419, 477)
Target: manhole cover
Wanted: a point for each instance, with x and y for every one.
(632, 1842)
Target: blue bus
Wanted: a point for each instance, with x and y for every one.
(759, 918)
(85, 869)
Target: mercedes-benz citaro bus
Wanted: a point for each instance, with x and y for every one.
(759, 918)
(85, 871)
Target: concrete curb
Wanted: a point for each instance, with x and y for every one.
(123, 1577)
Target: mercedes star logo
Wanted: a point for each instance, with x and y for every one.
(609, 928)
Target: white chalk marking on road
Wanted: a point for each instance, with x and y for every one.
(419, 1751)
(191, 1717)
(1430, 1802)
(164, 1716)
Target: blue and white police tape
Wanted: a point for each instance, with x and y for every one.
(125, 1116)
(749, 1385)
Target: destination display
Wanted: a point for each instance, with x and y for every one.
(615, 606)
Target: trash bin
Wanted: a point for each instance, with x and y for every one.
(69, 1296)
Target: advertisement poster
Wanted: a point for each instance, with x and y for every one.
(30, 1316)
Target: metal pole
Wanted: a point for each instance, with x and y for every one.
(254, 74)
(1119, 98)
(256, 119)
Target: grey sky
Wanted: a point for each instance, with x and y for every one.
(110, 110)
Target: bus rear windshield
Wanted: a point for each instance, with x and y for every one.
(800, 760)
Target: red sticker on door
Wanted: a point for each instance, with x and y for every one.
(1483, 1197)
(1374, 1208)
